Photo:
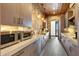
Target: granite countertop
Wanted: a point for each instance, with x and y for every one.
(17, 47)
(71, 38)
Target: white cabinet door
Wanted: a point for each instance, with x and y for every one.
(8, 13)
(42, 42)
(0, 14)
(68, 45)
(26, 14)
(39, 46)
(63, 40)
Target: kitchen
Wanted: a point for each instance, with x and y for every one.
(17, 33)
(25, 28)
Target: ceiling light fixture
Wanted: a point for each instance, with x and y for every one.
(39, 16)
(55, 6)
(42, 19)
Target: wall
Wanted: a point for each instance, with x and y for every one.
(0, 23)
(37, 17)
(0, 16)
(62, 22)
(51, 18)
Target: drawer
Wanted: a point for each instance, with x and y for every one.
(20, 53)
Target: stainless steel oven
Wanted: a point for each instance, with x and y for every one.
(8, 40)
(27, 35)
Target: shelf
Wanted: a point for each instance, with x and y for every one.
(72, 17)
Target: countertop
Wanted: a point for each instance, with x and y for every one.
(17, 47)
(73, 40)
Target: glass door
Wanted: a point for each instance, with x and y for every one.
(54, 28)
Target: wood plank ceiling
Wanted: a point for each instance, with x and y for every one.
(52, 8)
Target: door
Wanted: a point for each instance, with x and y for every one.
(54, 28)
(57, 28)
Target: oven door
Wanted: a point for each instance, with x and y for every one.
(7, 40)
(26, 36)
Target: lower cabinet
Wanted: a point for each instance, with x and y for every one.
(69, 47)
(42, 42)
(33, 49)
(21, 53)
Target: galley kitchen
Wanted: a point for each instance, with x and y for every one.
(39, 29)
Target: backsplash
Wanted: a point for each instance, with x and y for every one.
(9, 28)
(71, 29)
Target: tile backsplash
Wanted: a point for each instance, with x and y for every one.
(12, 28)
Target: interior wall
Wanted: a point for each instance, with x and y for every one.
(51, 18)
(62, 20)
(0, 16)
(36, 19)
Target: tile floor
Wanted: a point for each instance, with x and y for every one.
(53, 48)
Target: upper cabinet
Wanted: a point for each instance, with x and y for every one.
(26, 14)
(71, 11)
(16, 14)
(0, 13)
(8, 14)
(71, 15)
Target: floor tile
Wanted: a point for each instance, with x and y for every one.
(53, 48)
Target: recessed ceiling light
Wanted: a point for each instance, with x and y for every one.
(39, 16)
(42, 19)
(55, 6)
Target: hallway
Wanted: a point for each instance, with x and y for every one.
(53, 48)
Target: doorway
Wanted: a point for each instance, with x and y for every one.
(54, 28)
